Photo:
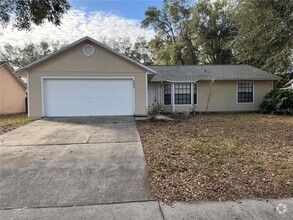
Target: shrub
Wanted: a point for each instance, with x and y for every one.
(154, 110)
(278, 102)
(180, 115)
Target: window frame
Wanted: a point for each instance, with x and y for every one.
(195, 84)
(237, 87)
(170, 93)
(191, 94)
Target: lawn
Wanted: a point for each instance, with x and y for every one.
(219, 157)
(12, 121)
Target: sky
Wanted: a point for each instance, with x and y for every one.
(130, 9)
(98, 19)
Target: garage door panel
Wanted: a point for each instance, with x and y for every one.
(84, 97)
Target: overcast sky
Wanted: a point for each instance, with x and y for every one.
(95, 18)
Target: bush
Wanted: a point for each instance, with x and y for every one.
(278, 102)
(180, 115)
(154, 110)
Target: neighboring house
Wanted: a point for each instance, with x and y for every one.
(289, 85)
(12, 91)
(88, 78)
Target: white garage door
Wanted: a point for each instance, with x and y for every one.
(85, 97)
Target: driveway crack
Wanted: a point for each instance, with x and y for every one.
(161, 211)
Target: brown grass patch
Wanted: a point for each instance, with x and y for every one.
(220, 157)
(12, 121)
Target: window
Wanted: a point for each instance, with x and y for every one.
(182, 94)
(167, 94)
(194, 94)
(245, 92)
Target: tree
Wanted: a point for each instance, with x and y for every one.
(264, 35)
(138, 50)
(173, 43)
(35, 12)
(215, 31)
(20, 56)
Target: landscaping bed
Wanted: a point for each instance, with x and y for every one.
(219, 157)
(12, 121)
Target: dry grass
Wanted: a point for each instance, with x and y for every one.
(220, 157)
(12, 121)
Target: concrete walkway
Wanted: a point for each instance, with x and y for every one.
(151, 210)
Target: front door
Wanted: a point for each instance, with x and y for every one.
(152, 94)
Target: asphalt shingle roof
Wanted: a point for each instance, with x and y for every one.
(208, 72)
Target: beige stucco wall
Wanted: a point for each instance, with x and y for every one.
(223, 97)
(12, 93)
(73, 63)
(224, 94)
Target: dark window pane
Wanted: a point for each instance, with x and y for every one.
(182, 99)
(245, 92)
(167, 94)
(195, 94)
(182, 93)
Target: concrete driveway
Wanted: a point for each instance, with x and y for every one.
(65, 162)
(94, 168)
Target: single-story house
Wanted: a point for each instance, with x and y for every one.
(88, 78)
(12, 91)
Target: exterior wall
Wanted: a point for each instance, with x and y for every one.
(223, 97)
(73, 63)
(12, 93)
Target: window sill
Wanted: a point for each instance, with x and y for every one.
(245, 103)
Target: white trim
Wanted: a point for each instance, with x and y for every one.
(28, 94)
(42, 95)
(253, 91)
(169, 81)
(69, 77)
(173, 97)
(85, 77)
(92, 52)
(133, 96)
(146, 93)
(159, 86)
(191, 95)
(80, 41)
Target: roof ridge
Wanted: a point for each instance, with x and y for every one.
(205, 65)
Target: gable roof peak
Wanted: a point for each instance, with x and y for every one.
(49, 56)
